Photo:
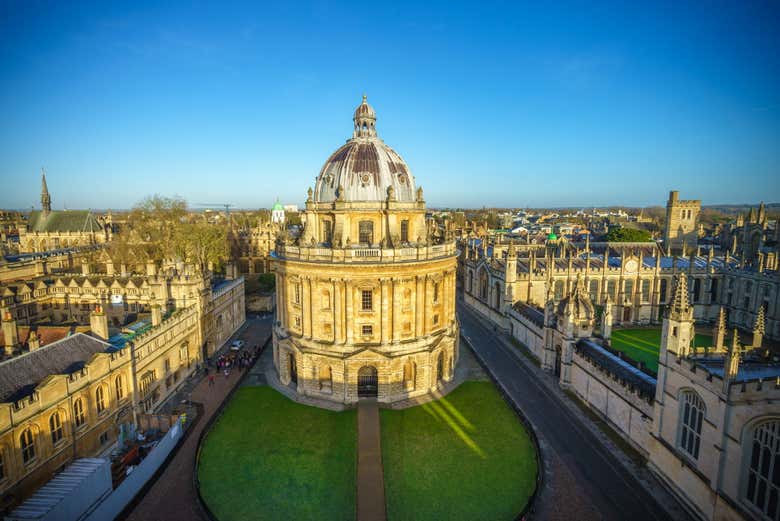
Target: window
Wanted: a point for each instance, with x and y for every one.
(629, 289)
(558, 289)
(297, 321)
(100, 399)
(404, 230)
(645, 290)
(662, 291)
(763, 486)
(55, 427)
(435, 320)
(167, 365)
(297, 289)
(696, 290)
(611, 289)
(593, 290)
(325, 299)
(366, 232)
(27, 443)
(471, 281)
(78, 412)
(104, 438)
(366, 300)
(435, 291)
(691, 417)
(327, 232)
(368, 330)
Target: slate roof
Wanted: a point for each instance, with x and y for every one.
(748, 369)
(46, 334)
(624, 371)
(20, 375)
(64, 221)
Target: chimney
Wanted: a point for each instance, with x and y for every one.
(33, 341)
(10, 334)
(98, 322)
(156, 315)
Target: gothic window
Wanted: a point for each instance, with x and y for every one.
(366, 232)
(483, 285)
(714, 290)
(55, 427)
(645, 290)
(611, 285)
(628, 289)
(366, 300)
(696, 290)
(100, 399)
(762, 490)
(497, 287)
(78, 412)
(662, 290)
(27, 442)
(405, 230)
(471, 282)
(120, 387)
(558, 289)
(593, 290)
(691, 418)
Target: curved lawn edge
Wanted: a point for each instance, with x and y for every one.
(530, 506)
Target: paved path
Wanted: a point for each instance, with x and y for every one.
(173, 497)
(370, 475)
(583, 479)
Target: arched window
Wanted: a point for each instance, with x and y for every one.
(100, 399)
(498, 292)
(55, 427)
(692, 411)
(435, 292)
(471, 282)
(404, 231)
(696, 290)
(611, 285)
(558, 290)
(27, 442)
(593, 290)
(662, 291)
(366, 232)
(762, 490)
(120, 387)
(409, 375)
(78, 412)
(483, 285)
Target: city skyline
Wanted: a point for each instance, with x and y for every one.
(510, 107)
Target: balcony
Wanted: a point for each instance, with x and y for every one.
(320, 253)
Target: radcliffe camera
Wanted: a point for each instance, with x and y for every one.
(379, 261)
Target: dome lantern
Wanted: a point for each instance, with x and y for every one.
(365, 120)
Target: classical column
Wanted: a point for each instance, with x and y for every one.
(306, 306)
(419, 299)
(396, 319)
(337, 311)
(384, 310)
(348, 322)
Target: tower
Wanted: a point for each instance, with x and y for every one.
(277, 213)
(45, 197)
(759, 328)
(719, 330)
(677, 330)
(510, 275)
(681, 220)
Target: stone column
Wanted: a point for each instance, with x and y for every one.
(349, 314)
(419, 302)
(397, 293)
(384, 307)
(337, 311)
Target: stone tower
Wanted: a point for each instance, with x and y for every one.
(680, 231)
(677, 331)
(45, 197)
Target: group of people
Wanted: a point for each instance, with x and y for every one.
(225, 362)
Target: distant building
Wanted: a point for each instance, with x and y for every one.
(681, 231)
(277, 213)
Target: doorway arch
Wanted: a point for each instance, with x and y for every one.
(368, 382)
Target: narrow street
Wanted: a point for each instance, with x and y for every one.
(584, 480)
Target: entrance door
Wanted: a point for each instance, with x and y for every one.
(368, 384)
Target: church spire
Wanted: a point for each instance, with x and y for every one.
(45, 197)
(680, 308)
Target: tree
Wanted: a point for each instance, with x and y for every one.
(619, 234)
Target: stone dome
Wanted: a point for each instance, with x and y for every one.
(365, 168)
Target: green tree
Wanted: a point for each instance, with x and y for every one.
(619, 234)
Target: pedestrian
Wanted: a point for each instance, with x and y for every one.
(211, 380)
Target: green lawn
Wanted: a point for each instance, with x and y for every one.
(271, 458)
(463, 457)
(643, 344)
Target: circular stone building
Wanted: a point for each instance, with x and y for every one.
(366, 292)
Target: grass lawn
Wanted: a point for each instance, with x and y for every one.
(463, 457)
(271, 458)
(643, 344)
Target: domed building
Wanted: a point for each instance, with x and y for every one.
(366, 292)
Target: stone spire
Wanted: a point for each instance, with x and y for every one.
(731, 362)
(680, 307)
(45, 197)
(606, 318)
(719, 331)
(759, 328)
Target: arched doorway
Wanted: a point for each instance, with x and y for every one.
(368, 385)
(293, 368)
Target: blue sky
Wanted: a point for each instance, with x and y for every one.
(491, 104)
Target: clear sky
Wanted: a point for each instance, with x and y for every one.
(494, 104)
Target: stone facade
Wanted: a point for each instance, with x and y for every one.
(365, 295)
(681, 230)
